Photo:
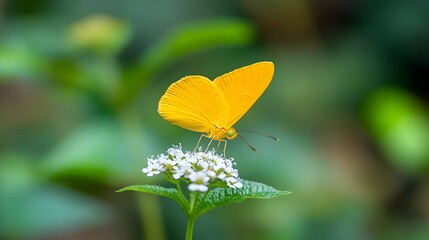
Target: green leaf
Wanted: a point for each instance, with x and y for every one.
(20, 63)
(399, 123)
(171, 193)
(29, 206)
(220, 197)
(93, 153)
(196, 37)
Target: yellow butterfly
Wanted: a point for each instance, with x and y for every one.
(212, 107)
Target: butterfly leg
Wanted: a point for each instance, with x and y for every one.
(224, 147)
(218, 145)
(198, 143)
(211, 140)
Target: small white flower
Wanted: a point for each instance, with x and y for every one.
(203, 164)
(182, 169)
(153, 168)
(169, 164)
(199, 181)
(211, 174)
(176, 152)
(197, 187)
(221, 176)
(199, 177)
(234, 182)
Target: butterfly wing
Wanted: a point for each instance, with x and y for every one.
(242, 87)
(194, 103)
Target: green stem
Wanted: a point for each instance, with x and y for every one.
(202, 200)
(190, 227)
(182, 197)
(191, 215)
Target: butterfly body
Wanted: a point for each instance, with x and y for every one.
(212, 107)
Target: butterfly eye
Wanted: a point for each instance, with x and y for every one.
(231, 133)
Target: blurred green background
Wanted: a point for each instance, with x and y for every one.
(80, 83)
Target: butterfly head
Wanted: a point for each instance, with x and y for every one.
(231, 133)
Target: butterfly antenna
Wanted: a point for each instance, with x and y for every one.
(254, 149)
(269, 136)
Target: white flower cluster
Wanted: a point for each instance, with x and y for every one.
(200, 168)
